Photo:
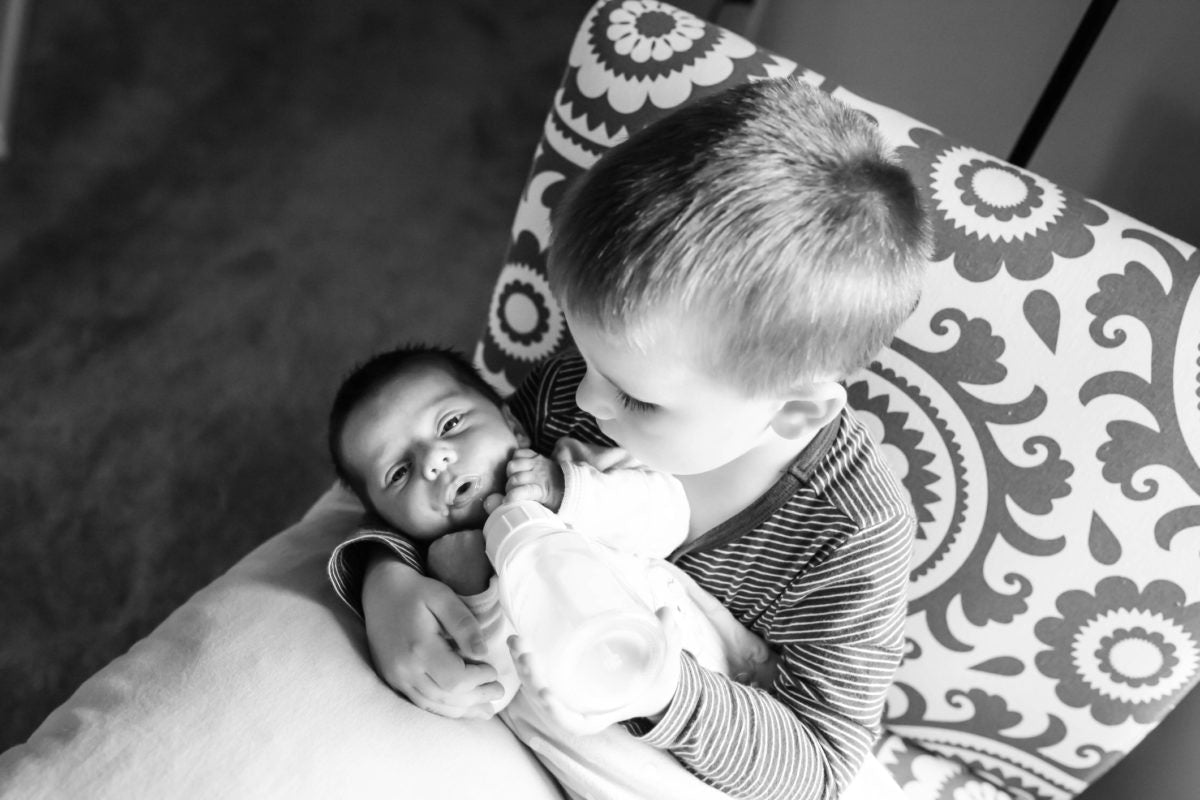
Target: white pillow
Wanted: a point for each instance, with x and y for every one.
(260, 686)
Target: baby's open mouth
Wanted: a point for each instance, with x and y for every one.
(462, 490)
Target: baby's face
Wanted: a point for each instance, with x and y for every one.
(429, 450)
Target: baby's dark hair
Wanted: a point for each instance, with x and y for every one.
(371, 376)
(770, 216)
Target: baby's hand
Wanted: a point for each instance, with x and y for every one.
(534, 477)
(459, 561)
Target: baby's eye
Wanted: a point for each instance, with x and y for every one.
(397, 476)
(451, 423)
(635, 405)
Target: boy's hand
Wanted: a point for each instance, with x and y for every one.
(534, 477)
(652, 704)
(458, 560)
(412, 622)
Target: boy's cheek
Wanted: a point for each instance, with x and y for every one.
(647, 451)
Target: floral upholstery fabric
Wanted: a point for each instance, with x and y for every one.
(1041, 407)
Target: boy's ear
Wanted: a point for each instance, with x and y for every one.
(518, 429)
(808, 409)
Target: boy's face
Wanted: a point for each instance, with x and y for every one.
(656, 404)
(429, 450)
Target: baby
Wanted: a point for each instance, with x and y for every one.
(430, 448)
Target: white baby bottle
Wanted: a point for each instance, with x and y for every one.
(598, 643)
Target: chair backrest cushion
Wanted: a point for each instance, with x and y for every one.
(1041, 406)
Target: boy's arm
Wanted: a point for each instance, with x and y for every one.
(839, 645)
(409, 619)
(460, 561)
(347, 567)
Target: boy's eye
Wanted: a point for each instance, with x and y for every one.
(635, 405)
(397, 476)
(451, 423)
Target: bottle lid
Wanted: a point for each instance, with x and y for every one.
(513, 523)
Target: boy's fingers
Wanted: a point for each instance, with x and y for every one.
(463, 687)
(459, 624)
(456, 689)
(520, 657)
(447, 674)
(456, 706)
(565, 717)
(454, 712)
(669, 619)
(527, 665)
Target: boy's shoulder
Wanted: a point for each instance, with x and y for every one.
(854, 475)
(545, 403)
(553, 373)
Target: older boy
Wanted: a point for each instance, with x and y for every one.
(721, 271)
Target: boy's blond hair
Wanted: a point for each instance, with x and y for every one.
(771, 214)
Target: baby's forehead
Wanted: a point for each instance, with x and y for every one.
(428, 381)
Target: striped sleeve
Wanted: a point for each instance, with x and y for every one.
(347, 566)
(544, 404)
(838, 632)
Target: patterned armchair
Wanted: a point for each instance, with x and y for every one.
(1041, 406)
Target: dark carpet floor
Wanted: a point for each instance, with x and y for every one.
(213, 208)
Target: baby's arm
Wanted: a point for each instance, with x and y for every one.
(605, 493)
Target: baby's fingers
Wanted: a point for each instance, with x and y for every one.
(528, 491)
(522, 461)
(567, 718)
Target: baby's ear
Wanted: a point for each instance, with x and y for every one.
(807, 409)
(517, 428)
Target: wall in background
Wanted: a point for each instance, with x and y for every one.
(974, 70)
(1128, 132)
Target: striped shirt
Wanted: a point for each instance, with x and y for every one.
(817, 567)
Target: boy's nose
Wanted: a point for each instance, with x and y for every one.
(590, 397)
(437, 457)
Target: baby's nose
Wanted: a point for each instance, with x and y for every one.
(437, 458)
